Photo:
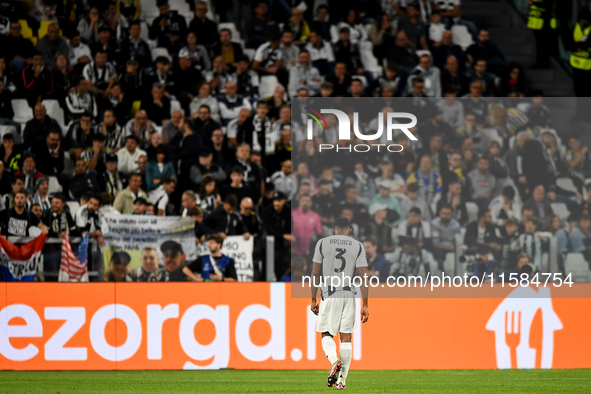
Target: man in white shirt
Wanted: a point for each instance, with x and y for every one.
(100, 73)
(232, 103)
(128, 157)
(79, 52)
(160, 196)
(304, 75)
(321, 53)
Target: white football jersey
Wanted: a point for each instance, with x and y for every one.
(340, 256)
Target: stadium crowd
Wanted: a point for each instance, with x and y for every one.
(180, 116)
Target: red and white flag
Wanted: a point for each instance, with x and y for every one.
(74, 268)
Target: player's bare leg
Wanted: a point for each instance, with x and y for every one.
(345, 354)
(330, 350)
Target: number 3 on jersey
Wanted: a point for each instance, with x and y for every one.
(339, 255)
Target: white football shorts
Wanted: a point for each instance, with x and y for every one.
(337, 315)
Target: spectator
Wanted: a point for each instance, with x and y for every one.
(182, 149)
(277, 223)
(379, 228)
(10, 153)
(454, 197)
(50, 153)
(283, 180)
(321, 53)
(346, 51)
(322, 24)
(125, 199)
(481, 184)
(206, 101)
(580, 235)
(247, 80)
(228, 51)
(134, 48)
(452, 109)
(429, 181)
(82, 181)
(512, 82)
(205, 167)
(113, 180)
(579, 161)
(158, 168)
(17, 221)
(205, 29)
(51, 45)
(376, 263)
(471, 129)
(37, 81)
(188, 201)
(415, 227)
(410, 260)
(160, 197)
(41, 196)
(159, 106)
(150, 270)
(452, 80)
(162, 75)
(60, 224)
(80, 134)
(168, 27)
(174, 260)
(208, 198)
(118, 267)
(6, 110)
(414, 27)
(484, 49)
(381, 33)
(482, 231)
(384, 198)
(17, 185)
(487, 80)
(252, 172)
(413, 199)
(139, 127)
(261, 27)
(451, 12)
(36, 210)
(236, 187)
(112, 131)
(232, 103)
(306, 224)
(226, 221)
(89, 25)
(447, 48)
(80, 100)
(18, 50)
(106, 44)
(539, 203)
(221, 269)
(29, 173)
(429, 74)
(133, 82)
(444, 229)
(197, 53)
(128, 157)
(289, 50)
(339, 79)
(172, 128)
(100, 73)
(303, 74)
(505, 207)
(267, 59)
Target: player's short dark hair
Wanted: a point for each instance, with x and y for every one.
(217, 238)
(342, 223)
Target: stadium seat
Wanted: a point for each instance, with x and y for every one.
(161, 52)
(182, 7)
(369, 61)
(566, 184)
(22, 112)
(135, 107)
(576, 265)
(73, 206)
(55, 111)
(560, 209)
(43, 29)
(492, 135)
(421, 52)
(461, 36)
(472, 209)
(249, 52)
(449, 264)
(68, 164)
(54, 185)
(232, 27)
(8, 130)
(149, 11)
(267, 86)
(144, 32)
(26, 31)
(175, 105)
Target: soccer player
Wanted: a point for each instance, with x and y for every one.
(339, 256)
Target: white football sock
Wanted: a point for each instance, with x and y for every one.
(330, 349)
(345, 354)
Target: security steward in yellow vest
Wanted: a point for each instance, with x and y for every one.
(542, 22)
(580, 57)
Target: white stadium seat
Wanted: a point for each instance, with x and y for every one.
(10, 130)
(145, 30)
(175, 105)
(566, 184)
(560, 209)
(55, 111)
(73, 206)
(361, 78)
(492, 135)
(54, 185)
(161, 52)
(22, 112)
(267, 86)
(472, 209)
(249, 52)
(461, 36)
(576, 265)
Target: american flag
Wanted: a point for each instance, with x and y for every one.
(74, 268)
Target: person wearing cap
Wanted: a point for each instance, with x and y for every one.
(213, 267)
(158, 106)
(150, 270)
(505, 207)
(118, 267)
(386, 168)
(277, 223)
(113, 181)
(50, 153)
(385, 198)
(379, 227)
(168, 27)
(206, 166)
(174, 259)
(41, 196)
(136, 48)
(186, 80)
(139, 206)
(226, 221)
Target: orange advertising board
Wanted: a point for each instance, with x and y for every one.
(259, 326)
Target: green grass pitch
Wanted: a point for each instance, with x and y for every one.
(255, 381)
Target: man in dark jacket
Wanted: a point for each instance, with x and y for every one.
(226, 221)
(134, 48)
(205, 29)
(183, 150)
(186, 79)
(37, 81)
(50, 154)
(38, 128)
(277, 223)
(482, 231)
(168, 27)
